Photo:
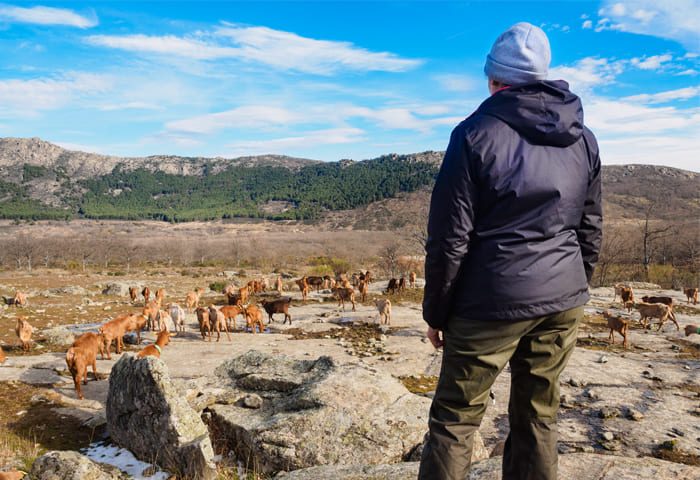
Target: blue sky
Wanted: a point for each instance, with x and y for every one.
(333, 80)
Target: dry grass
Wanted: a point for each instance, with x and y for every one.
(29, 426)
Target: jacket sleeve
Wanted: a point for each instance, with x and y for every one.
(590, 230)
(450, 223)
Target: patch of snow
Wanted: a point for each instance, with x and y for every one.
(123, 459)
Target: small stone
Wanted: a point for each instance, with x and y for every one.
(603, 359)
(608, 436)
(608, 412)
(635, 415)
(671, 445)
(678, 432)
(252, 401)
(686, 367)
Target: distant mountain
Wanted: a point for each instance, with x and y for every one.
(43, 181)
(40, 180)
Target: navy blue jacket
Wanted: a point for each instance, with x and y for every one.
(515, 216)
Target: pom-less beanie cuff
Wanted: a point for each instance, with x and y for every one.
(521, 54)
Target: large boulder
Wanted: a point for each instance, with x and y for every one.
(284, 414)
(118, 289)
(60, 336)
(69, 465)
(147, 415)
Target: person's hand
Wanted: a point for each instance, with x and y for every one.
(436, 337)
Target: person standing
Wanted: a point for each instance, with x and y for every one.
(514, 232)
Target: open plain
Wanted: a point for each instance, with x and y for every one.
(640, 401)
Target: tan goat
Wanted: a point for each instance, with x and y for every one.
(412, 279)
(192, 300)
(653, 310)
(218, 322)
(692, 294)
(2, 356)
(24, 331)
(384, 308)
(617, 324)
(21, 299)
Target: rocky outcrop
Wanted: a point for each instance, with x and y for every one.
(70, 465)
(313, 412)
(147, 415)
(118, 289)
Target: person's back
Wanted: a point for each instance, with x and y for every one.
(528, 175)
(513, 237)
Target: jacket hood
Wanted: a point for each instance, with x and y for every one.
(545, 113)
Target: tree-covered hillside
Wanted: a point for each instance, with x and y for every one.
(234, 192)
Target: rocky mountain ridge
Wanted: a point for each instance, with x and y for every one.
(48, 173)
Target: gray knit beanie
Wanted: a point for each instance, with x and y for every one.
(521, 54)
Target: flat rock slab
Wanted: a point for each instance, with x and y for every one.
(578, 466)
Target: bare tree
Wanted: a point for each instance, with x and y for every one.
(390, 257)
(651, 232)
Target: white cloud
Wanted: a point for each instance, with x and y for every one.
(610, 118)
(675, 20)
(260, 45)
(251, 116)
(45, 16)
(459, 83)
(587, 25)
(305, 141)
(166, 45)
(131, 105)
(651, 63)
(588, 73)
(50, 93)
(679, 94)
(690, 71)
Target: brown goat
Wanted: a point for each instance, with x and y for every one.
(343, 294)
(146, 295)
(82, 354)
(315, 282)
(160, 296)
(230, 312)
(133, 293)
(254, 317)
(203, 319)
(690, 329)
(114, 330)
(2, 356)
(277, 306)
(362, 288)
(617, 324)
(392, 287)
(402, 284)
(243, 292)
(692, 294)
(412, 279)
(24, 331)
(627, 297)
(150, 311)
(156, 349)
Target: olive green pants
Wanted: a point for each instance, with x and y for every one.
(475, 352)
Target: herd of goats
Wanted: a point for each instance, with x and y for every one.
(165, 323)
(83, 352)
(659, 307)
